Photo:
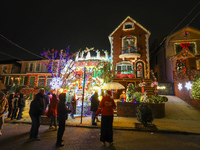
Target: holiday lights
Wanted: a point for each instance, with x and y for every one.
(188, 85)
(56, 83)
(180, 86)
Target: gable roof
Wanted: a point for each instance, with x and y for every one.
(179, 55)
(188, 28)
(133, 22)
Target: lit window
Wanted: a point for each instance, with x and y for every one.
(128, 26)
(38, 67)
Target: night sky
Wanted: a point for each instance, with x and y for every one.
(36, 25)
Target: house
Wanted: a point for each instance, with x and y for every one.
(130, 54)
(177, 59)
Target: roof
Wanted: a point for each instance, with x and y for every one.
(133, 22)
(188, 28)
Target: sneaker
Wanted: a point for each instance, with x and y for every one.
(103, 143)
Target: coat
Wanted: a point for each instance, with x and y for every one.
(62, 111)
(106, 106)
(53, 106)
(94, 102)
(3, 106)
(21, 101)
(37, 106)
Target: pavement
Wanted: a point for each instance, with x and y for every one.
(180, 117)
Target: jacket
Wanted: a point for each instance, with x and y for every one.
(106, 106)
(53, 106)
(62, 111)
(21, 101)
(3, 106)
(37, 106)
(94, 102)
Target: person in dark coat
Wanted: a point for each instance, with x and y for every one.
(37, 108)
(15, 106)
(21, 105)
(94, 106)
(62, 116)
(46, 99)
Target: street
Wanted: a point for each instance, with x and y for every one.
(75, 138)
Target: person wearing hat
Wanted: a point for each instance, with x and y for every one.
(106, 107)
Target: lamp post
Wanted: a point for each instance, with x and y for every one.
(83, 94)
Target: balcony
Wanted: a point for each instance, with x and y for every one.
(129, 52)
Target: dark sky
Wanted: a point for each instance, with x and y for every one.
(45, 24)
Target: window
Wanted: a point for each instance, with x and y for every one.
(32, 82)
(190, 46)
(31, 67)
(128, 26)
(129, 68)
(41, 80)
(119, 68)
(38, 67)
(5, 69)
(49, 78)
(8, 80)
(129, 44)
(23, 80)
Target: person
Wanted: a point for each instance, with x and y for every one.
(106, 106)
(15, 106)
(10, 109)
(62, 116)
(3, 109)
(53, 111)
(68, 99)
(46, 99)
(73, 105)
(94, 106)
(21, 105)
(37, 108)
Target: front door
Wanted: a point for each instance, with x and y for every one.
(139, 69)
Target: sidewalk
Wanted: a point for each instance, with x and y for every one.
(180, 117)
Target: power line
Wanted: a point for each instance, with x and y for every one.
(193, 18)
(20, 47)
(10, 55)
(176, 27)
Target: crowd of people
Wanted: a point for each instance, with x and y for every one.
(59, 106)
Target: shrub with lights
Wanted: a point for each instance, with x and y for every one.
(196, 87)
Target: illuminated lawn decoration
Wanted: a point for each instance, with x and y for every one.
(188, 85)
(180, 86)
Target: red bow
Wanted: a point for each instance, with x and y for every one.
(185, 45)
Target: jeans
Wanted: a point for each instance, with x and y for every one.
(20, 113)
(93, 116)
(53, 121)
(14, 114)
(61, 130)
(72, 109)
(34, 126)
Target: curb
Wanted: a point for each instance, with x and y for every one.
(119, 128)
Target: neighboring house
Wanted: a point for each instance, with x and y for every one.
(8, 69)
(177, 59)
(130, 53)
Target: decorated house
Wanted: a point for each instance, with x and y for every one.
(130, 55)
(177, 60)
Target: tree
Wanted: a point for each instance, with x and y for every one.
(60, 65)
